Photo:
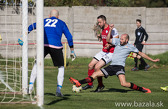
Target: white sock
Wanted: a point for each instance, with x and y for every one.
(33, 76)
(60, 78)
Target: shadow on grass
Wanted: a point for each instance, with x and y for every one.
(58, 99)
(51, 94)
(116, 90)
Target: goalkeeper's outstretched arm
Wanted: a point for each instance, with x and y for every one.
(31, 27)
(147, 57)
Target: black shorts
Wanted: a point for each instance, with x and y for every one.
(56, 55)
(113, 70)
(139, 47)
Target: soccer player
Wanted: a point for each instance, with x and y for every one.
(139, 43)
(121, 51)
(53, 30)
(103, 57)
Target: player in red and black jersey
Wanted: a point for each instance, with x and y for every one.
(105, 55)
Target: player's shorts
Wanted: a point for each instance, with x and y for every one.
(56, 55)
(106, 57)
(113, 70)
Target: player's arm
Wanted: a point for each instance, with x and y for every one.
(135, 38)
(70, 41)
(114, 32)
(109, 39)
(146, 36)
(115, 41)
(31, 27)
(68, 37)
(147, 57)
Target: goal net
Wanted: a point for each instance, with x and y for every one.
(11, 61)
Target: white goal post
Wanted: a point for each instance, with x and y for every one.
(25, 46)
(40, 52)
(40, 49)
(15, 64)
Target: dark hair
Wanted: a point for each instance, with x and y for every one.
(127, 37)
(138, 20)
(101, 17)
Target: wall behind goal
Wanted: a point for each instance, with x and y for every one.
(81, 20)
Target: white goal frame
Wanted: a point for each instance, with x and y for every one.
(40, 49)
(25, 46)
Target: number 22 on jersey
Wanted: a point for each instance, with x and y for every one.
(51, 22)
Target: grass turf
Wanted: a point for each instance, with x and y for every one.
(112, 94)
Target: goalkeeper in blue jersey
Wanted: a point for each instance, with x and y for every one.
(53, 30)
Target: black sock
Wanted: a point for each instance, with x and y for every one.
(135, 87)
(86, 80)
(143, 61)
(136, 61)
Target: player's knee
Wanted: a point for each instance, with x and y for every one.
(96, 68)
(90, 66)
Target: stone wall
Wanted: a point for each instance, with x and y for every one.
(80, 21)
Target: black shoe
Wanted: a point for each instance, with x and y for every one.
(147, 67)
(135, 69)
(99, 89)
(87, 87)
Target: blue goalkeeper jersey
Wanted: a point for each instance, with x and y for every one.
(53, 29)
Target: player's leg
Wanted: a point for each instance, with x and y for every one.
(60, 78)
(104, 72)
(91, 67)
(87, 79)
(32, 78)
(90, 72)
(34, 72)
(105, 60)
(124, 83)
(143, 63)
(58, 60)
(136, 62)
(98, 66)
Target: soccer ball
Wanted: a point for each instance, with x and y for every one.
(76, 89)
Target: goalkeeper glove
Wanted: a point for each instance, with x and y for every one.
(73, 55)
(20, 42)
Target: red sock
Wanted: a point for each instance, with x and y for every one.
(100, 81)
(135, 87)
(90, 72)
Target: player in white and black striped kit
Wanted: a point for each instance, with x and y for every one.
(141, 38)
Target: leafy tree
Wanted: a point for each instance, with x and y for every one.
(116, 3)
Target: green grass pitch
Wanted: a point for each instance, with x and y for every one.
(112, 94)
